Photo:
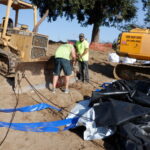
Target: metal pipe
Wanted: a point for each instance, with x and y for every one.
(7, 17)
(35, 15)
(16, 17)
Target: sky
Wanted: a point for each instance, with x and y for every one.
(62, 30)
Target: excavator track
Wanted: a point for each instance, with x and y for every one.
(4, 66)
(8, 63)
(132, 72)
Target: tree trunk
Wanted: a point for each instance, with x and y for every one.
(95, 34)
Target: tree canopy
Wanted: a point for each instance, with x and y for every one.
(89, 12)
(146, 7)
(106, 13)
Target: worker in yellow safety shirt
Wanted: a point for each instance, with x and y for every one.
(82, 49)
(63, 56)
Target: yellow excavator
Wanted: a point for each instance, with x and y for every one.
(133, 44)
(22, 52)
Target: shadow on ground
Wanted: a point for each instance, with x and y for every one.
(11, 82)
(80, 130)
(103, 68)
(108, 143)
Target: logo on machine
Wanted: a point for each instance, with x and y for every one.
(136, 39)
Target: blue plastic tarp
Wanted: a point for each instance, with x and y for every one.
(31, 108)
(41, 126)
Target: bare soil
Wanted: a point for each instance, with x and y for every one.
(100, 71)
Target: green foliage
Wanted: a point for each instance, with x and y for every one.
(100, 12)
(90, 12)
(55, 8)
(146, 7)
(128, 27)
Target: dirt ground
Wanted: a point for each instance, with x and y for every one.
(100, 71)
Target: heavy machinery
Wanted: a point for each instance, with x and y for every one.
(133, 44)
(22, 52)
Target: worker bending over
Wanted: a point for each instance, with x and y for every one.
(63, 56)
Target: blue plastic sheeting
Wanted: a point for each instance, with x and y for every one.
(70, 126)
(31, 108)
(105, 84)
(97, 90)
(41, 126)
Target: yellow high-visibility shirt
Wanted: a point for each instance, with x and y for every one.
(81, 46)
(64, 51)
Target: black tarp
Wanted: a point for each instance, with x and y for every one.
(117, 112)
(125, 105)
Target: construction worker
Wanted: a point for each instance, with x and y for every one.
(82, 48)
(63, 56)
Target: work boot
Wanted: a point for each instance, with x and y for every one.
(66, 91)
(53, 90)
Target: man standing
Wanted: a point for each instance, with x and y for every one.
(82, 48)
(63, 55)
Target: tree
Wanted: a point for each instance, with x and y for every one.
(106, 13)
(89, 12)
(146, 7)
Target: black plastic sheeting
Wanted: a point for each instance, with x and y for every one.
(125, 105)
(117, 112)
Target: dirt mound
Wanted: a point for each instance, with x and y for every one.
(100, 71)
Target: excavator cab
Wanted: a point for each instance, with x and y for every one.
(22, 52)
